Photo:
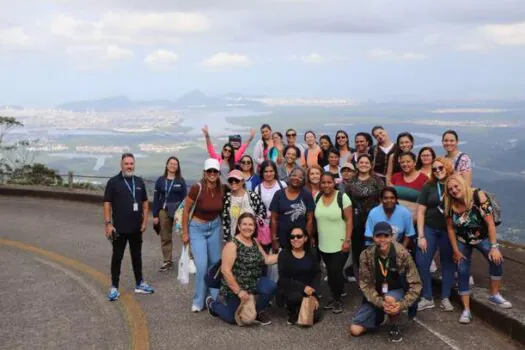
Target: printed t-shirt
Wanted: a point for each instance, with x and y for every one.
(292, 213)
(330, 225)
(239, 205)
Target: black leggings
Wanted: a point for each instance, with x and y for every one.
(334, 266)
(135, 249)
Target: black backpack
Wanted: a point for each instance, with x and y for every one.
(339, 202)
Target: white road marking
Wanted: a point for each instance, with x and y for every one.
(450, 342)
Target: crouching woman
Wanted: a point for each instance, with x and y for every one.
(242, 265)
(390, 283)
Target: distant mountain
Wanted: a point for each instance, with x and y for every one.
(195, 98)
(11, 107)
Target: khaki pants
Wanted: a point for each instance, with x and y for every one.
(166, 235)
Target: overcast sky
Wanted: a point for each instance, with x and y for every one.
(52, 51)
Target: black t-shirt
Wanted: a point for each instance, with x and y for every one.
(429, 197)
(125, 218)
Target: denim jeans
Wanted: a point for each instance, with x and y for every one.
(369, 316)
(436, 238)
(206, 242)
(464, 267)
(266, 289)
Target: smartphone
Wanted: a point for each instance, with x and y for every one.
(114, 236)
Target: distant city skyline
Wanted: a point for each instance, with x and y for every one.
(56, 51)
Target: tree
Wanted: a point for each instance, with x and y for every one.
(6, 124)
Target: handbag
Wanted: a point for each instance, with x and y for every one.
(306, 313)
(246, 312)
(180, 211)
(214, 276)
(264, 235)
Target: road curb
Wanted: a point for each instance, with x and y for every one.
(510, 322)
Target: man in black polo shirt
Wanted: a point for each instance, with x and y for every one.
(125, 219)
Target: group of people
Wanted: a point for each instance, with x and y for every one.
(379, 206)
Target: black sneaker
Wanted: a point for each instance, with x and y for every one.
(394, 334)
(329, 305)
(344, 294)
(263, 318)
(338, 307)
(209, 301)
(165, 267)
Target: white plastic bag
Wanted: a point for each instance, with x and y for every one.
(184, 266)
(193, 268)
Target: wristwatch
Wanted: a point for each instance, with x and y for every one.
(107, 222)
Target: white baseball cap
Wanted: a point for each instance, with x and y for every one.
(211, 163)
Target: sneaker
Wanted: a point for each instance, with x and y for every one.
(195, 309)
(325, 278)
(351, 279)
(394, 334)
(166, 266)
(344, 294)
(329, 305)
(209, 302)
(113, 294)
(446, 305)
(465, 317)
(338, 307)
(144, 288)
(425, 304)
(498, 300)
(263, 318)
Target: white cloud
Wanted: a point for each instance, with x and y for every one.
(14, 39)
(161, 60)
(130, 27)
(227, 60)
(505, 34)
(95, 57)
(389, 55)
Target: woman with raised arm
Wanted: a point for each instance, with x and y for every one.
(243, 260)
(424, 160)
(276, 153)
(460, 161)
(263, 146)
(170, 191)
(228, 157)
(404, 143)
(470, 225)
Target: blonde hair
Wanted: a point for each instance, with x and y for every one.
(449, 169)
(310, 168)
(451, 203)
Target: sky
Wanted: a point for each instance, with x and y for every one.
(54, 51)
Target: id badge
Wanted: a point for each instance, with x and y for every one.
(384, 288)
(135, 207)
(164, 206)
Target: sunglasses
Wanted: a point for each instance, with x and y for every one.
(291, 135)
(212, 171)
(228, 150)
(438, 169)
(246, 162)
(292, 237)
(341, 137)
(232, 181)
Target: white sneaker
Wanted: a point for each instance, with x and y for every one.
(498, 300)
(466, 317)
(351, 279)
(446, 305)
(195, 309)
(425, 304)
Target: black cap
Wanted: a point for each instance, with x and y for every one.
(383, 228)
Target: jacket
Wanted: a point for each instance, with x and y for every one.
(255, 202)
(407, 271)
(176, 195)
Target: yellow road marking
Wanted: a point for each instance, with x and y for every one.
(133, 313)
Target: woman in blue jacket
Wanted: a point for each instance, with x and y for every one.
(170, 191)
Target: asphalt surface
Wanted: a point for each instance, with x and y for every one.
(47, 305)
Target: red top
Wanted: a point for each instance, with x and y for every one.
(417, 184)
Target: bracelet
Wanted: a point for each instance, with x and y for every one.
(421, 237)
(107, 222)
(494, 246)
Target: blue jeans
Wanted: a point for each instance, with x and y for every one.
(369, 316)
(205, 242)
(266, 289)
(436, 239)
(464, 267)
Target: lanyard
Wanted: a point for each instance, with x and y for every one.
(166, 190)
(439, 190)
(131, 190)
(384, 269)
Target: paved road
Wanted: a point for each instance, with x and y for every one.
(51, 302)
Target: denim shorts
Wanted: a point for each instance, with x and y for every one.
(369, 316)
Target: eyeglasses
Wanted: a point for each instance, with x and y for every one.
(291, 135)
(212, 171)
(228, 150)
(246, 162)
(438, 169)
(292, 237)
(233, 180)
